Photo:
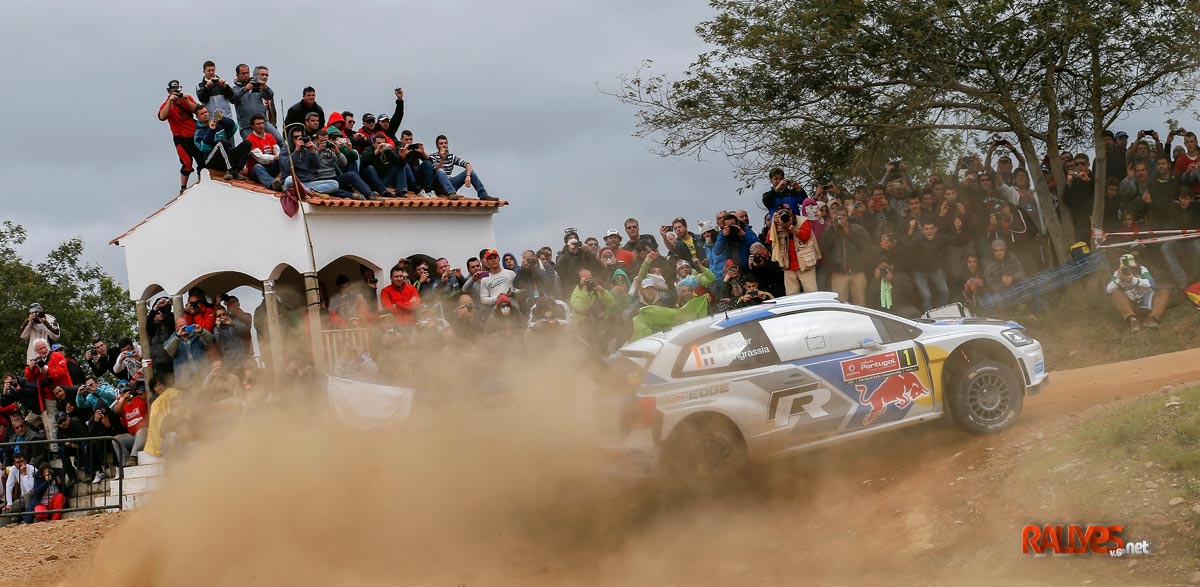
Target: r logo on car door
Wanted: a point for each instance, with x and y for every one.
(809, 398)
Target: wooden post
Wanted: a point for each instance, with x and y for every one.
(144, 340)
(274, 338)
(312, 296)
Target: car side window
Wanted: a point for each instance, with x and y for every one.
(801, 335)
(894, 331)
(738, 348)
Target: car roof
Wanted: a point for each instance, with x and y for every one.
(773, 307)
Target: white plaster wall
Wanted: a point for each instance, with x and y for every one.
(185, 241)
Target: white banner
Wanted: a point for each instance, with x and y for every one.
(368, 405)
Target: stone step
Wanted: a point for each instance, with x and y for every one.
(81, 489)
(131, 501)
(143, 471)
(135, 485)
(145, 458)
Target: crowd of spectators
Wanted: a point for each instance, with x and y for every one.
(61, 397)
(231, 127)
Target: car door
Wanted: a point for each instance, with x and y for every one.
(840, 371)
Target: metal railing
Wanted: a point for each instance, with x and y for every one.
(91, 440)
(336, 340)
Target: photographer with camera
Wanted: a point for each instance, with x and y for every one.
(215, 93)
(973, 286)
(1003, 172)
(1133, 294)
(844, 245)
(230, 335)
(423, 176)
(178, 112)
(794, 247)
(574, 257)
(47, 370)
(188, 347)
(134, 413)
(784, 193)
(766, 271)
(214, 139)
(252, 97)
(892, 291)
(385, 170)
(38, 325)
(590, 302)
(732, 244)
(752, 296)
(537, 276)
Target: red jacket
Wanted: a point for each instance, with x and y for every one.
(134, 415)
(57, 375)
(401, 302)
(206, 318)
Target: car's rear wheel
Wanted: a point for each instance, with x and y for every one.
(986, 397)
(705, 453)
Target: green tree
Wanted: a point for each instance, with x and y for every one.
(87, 301)
(888, 70)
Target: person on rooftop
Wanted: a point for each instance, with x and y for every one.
(177, 110)
(447, 161)
(214, 92)
(214, 139)
(251, 97)
(300, 110)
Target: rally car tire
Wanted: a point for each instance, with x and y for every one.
(986, 398)
(705, 453)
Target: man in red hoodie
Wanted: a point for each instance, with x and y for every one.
(48, 370)
(400, 298)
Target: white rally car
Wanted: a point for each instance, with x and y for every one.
(705, 398)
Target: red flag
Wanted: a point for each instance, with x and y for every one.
(290, 203)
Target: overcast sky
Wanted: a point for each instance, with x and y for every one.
(512, 83)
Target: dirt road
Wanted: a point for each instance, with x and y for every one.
(926, 505)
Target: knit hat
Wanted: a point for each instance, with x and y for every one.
(1000, 244)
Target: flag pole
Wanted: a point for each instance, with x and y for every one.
(312, 287)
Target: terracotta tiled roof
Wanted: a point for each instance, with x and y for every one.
(406, 203)
(438, 202)
(384, 203)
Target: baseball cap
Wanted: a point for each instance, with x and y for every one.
(682, 263)
(368, 117)
(56, 347)
(1122, 134)
(35, 307)
(730, 263)
(61, 417)
(383, 117)
(647, 282)
(503, 299)
(333, 131)
(612, 232)
(490, 253)
(173, 85)
(707, 225)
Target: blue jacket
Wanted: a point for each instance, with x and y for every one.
(103, 395)
(722, 249)
(207, 138)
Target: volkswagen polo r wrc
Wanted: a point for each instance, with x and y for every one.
(702, 400)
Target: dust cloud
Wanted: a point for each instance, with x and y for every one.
(502, 489)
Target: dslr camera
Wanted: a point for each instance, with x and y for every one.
(39, 362)
(785, 217)
(589, 283)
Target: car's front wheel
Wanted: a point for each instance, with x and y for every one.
(986, 397)
(705, 453)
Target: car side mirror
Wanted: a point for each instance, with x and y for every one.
(870, 344)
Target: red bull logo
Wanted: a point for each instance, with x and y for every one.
(898, 390)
